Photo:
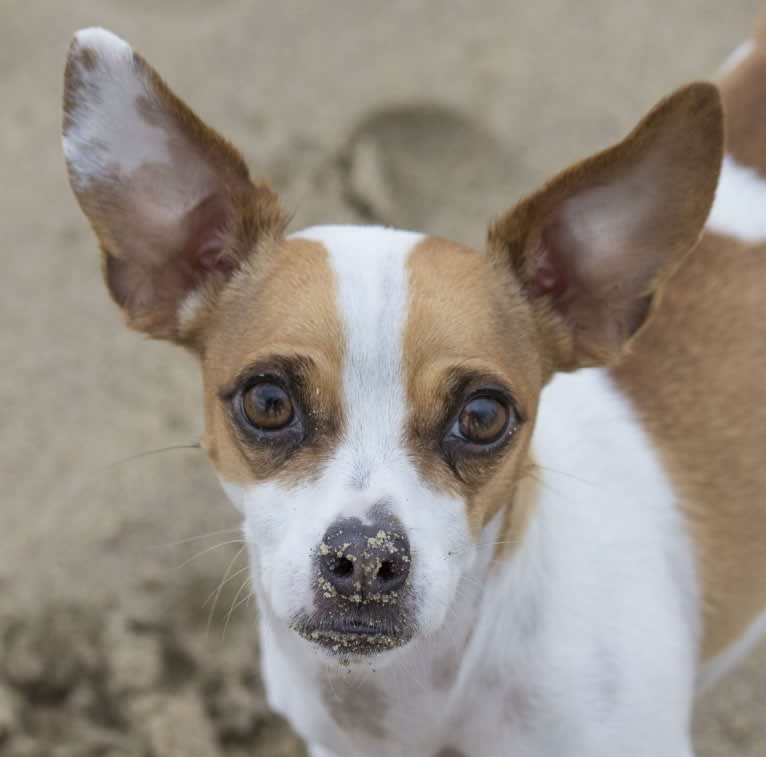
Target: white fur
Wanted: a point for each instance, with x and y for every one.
(739, 209)
(736, 57)
(107, 137)
(581, 643)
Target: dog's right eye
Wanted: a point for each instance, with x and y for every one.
(268, 406)
(482, 420)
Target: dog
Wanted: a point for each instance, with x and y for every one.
(497, 502)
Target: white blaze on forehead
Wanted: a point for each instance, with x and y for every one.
(106, 134)
(739, 209)
(371, 276)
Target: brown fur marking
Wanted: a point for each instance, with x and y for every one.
(281, 304)
(493, 337)
(696, 375)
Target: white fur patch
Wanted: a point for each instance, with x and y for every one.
(107, 136)
(739, 209)
(736, 57)
(371, 276)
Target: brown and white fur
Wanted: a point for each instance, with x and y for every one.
(565, 588)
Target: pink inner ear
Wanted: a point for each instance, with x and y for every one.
(203, 248)
(208, 255)
(550, 277)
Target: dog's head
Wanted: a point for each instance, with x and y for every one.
(370, 394)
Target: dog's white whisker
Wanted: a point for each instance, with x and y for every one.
(199, 537)
(216, 593)
(568, 474)
(225, 580)
(147, 453)
(207, 550)
(235, 603)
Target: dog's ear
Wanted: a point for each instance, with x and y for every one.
(592, 246)
(170, 200)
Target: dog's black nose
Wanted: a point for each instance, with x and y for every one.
(364, 562)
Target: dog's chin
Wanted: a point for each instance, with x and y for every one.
(352, 639)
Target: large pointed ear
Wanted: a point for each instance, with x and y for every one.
(593, 245)
(171, 201)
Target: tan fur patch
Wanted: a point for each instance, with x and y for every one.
(280, 305)
(696, 375)
(466, 314)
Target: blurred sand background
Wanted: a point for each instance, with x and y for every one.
(422, 114)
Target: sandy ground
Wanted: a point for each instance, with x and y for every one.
(427, 115)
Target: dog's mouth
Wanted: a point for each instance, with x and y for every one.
(354, 636)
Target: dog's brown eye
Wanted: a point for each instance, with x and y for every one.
(268, 406)
(483, 420)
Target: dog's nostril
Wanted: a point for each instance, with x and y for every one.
(342, 567)
(387, 571)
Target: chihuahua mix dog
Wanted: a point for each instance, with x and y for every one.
(508, 501)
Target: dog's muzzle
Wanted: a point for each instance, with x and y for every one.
(362, 588)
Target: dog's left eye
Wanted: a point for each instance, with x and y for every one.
(267, 406)
(483, 420)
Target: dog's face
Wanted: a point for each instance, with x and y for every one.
(368, 416)
(370, 394)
